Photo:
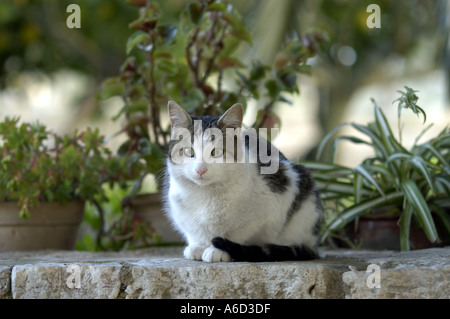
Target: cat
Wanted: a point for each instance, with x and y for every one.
(224, 204)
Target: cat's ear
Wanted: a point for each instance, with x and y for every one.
(232, 117)
(178, 117)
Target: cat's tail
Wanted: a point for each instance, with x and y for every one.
(268, 252)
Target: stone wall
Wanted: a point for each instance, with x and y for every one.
(162, 273)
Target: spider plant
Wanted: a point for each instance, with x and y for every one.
(414, 181)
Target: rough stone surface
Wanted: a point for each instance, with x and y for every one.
(416, 274)
(178, 278)
(50, 281)
(162, 273)
(5, 281)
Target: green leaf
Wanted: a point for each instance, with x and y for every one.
(154, 158)
(386, 135)
(258, 70)
(377, 143)
(397, 146)
(398, 156)
(405, 224)
(273, 89)
(124, 148)
(238, 28)
(363, 171)
(231, 44)
(24, 213)
(242, 34)
(135, 39)
(167, 67)
(422, 133)
(217, 6)
(243, 79)
(383, 171)
(194, 99)
(330, 176)
(281, 98)
(344, 189)
(137, 184)
(420, 164)
(334, 145)
(357, 185)
(326, 139)
(168, 33)
(303, 69)
(325, 166)
(289, 79)
(435, 152)
(195, 12)
(137, 107)
(409, 100)
(422, 212)
(384, 129)
(443, 141)
(111, 87)
(442, 202)
(442, 183)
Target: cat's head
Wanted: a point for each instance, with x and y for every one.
(203, 149)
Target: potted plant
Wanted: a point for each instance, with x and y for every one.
(410, 187)
(191, 63)
(45, 180)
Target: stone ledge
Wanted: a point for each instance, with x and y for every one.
(162, 273)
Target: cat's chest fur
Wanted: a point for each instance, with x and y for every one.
(212, 207)
(233, 209)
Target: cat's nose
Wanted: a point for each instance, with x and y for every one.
(201, 170)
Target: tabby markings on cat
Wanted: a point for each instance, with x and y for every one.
(218, 196)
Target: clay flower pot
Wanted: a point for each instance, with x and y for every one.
(50, 226)
(382, 232)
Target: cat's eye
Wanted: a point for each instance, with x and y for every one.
(189, 152)
(217, 152)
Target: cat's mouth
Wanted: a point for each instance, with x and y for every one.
(202, 180)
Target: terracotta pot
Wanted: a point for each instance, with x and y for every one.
(50, 226)
(149, 209)
(380, 232)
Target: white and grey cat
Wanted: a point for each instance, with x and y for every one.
(229, 210)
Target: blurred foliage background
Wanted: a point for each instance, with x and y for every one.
(51, 73)
(35, 41)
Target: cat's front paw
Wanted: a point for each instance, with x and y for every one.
(212, 254)
(194, 252)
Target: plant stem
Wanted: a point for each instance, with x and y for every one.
(217, 48)
(266, 109)
(101, 231)
(219, 87)
(193, 65)
(151, 90)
